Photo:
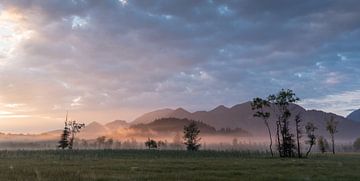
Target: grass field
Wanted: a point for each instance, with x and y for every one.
(172, 165)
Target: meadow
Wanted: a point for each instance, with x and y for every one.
(104, 165)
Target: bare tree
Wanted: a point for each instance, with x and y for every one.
(310, 131)
(260, 105)
(298, 133)
(331, 127)
(75, 128)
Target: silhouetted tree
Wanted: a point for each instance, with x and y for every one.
(161, 144)
(150, 143)
(331, 127)
(74, 127)
(323, 144)
(356, 144)
(280, 104)
(260, 105)
(100, 141)
(109, 143)
(310, 131)
(191, 136)
(298, 133)
(64, 139)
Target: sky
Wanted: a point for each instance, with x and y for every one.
(116, 59)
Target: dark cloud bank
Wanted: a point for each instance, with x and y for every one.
(98, 55)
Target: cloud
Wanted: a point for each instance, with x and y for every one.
(340, 103)
(137, 55)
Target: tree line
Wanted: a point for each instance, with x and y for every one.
(278, 106)
(71, 128)
(191, 138)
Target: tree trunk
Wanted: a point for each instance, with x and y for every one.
(267, 125)
(71, 141)
(298, 139)
(333, 145)
(298, 147)
(278, 137)
(308, 152)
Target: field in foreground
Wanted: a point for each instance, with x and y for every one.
(172, 165)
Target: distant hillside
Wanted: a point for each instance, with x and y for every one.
(116, 125)
(94, 130)
(241, 116)
(151, 116)
(174, 125)
(355, 115)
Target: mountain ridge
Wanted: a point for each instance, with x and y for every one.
(241, 115)
(355, 115)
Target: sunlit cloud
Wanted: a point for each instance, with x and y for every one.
(123, 2)
(79, 22)
(76, 102)
(12, 31)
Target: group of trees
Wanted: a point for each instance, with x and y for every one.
(71, 128)
(280, 107)
(191, 138)
(331, 127)
(152, 144)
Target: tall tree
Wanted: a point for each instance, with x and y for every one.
(331, 127)
(260, 106)
(280, 104)
(310, 131)
(74, 127)
(64, 139)
(191, 137)
(298, 133)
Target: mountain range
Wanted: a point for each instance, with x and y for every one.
(238, 119)
(241, 116)
(167, 126)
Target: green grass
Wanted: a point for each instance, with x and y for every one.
(172, 165)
